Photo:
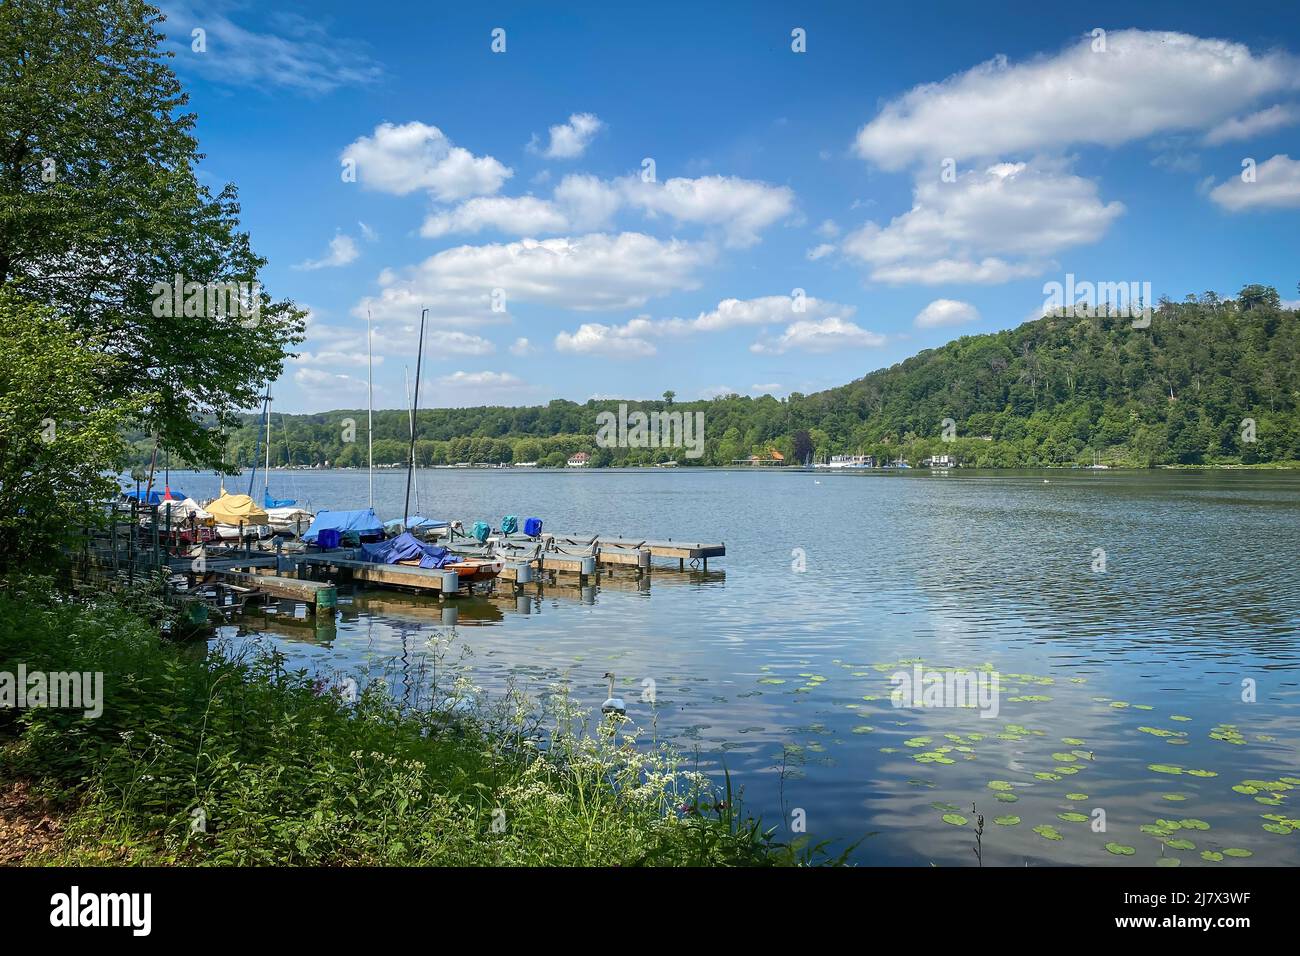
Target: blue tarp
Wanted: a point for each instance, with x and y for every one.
(153, 497)
(269, 502)
(406, 547)
(363, 522)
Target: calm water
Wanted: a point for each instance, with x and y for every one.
(766, 668)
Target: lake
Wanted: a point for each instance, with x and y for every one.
(1152, 619)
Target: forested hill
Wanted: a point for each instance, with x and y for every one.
(1053, 391)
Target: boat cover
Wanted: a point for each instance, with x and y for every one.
(181, 509)
(406, 547)
(532, 527)
(509, 524)
(362, 522)
(480, 531)
(268, 502)
(233, 509)
(414, 523)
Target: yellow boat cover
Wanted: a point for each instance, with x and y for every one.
(232, 509)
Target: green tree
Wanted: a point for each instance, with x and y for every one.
(101, 210)
(57, 432)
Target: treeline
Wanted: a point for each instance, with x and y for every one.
(1210, 381)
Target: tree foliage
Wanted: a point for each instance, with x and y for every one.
(99, 202)
(57, 432)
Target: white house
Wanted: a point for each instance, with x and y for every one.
(580, 460)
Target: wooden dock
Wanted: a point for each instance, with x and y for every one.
(228, 577)
(618, 549)
(317, 595)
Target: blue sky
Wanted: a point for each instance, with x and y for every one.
(920, 172)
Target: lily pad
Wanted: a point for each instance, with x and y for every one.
(1048, 832)
(1072, 817)
(999, 785)
(956, 819)
(1076, 796)
(1238, 852)
(1181, 844)
(1211, 856)
(1007, 821)
(1119, 849)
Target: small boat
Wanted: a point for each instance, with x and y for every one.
(289, 519)
(469, 569)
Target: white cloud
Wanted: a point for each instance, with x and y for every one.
(413, 156)
(635, 338)
(521, 347)
(570, 140)
(765, 310)
(343, 249)
(495, 380)
(611, 341)
(1145, 82)
(520, 216)
(443, 341)
(301, 56)
(1265, 121)
(367, 233)
(742, 208)
(828, 335)
(943, 312)
(766, 389)
(587, 201)
(592, 272)
(820, 251)
(973, 229)
(1276, 185)
(739, 208)
(327, 384)
(828, 229)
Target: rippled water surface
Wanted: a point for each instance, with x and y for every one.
(784, 676)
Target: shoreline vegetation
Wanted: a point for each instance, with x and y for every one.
(1211, 382)
(206, 758)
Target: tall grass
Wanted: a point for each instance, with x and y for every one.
(207, 758)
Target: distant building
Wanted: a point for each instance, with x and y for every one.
(939, 461)
(774, 457)
(849, 461)
(580, 460)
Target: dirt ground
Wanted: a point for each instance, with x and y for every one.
(27, 824)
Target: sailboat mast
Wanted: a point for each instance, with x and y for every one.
(410, 464)
(266, 474)
(370, 407)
